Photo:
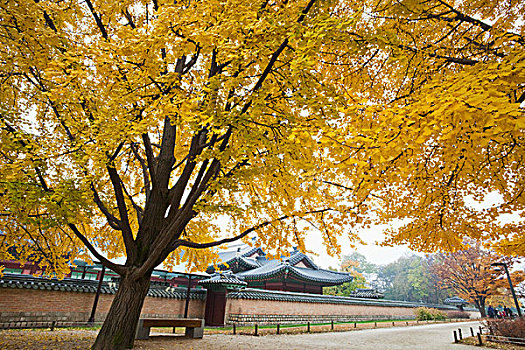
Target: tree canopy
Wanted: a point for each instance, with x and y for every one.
(111, 112)
(128, 128)
(441, 122)
(470, 274)
(272, 111)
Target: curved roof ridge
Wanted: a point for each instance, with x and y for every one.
(277, 267)
(298, 256)
(252, 251)
(323, 276)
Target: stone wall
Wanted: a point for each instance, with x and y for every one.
(22, 306)
(269, 307)
(27, 301)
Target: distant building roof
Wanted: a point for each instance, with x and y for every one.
(275, 268)
(227, 280)
(455, 301)
(240, 258)
(366, 293)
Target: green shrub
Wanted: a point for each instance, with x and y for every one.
(429, 314)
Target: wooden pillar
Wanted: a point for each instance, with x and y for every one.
(186, 307)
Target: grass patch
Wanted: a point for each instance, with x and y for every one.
(287, 325)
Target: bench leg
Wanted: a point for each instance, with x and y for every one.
(196, 332)
(142, 332)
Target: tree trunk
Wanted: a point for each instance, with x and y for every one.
(118, 330)
(481, 307)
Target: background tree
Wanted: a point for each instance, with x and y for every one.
(360, 263)
(504, 298)
(356, 264)
(409, 278)
(520, 289)
(469, 274)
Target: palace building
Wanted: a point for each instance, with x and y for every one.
(295, 273)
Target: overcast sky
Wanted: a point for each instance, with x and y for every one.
(385, 255)
(373, 252)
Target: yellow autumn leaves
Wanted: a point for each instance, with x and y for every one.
(368, 111)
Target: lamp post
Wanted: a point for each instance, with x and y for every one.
(511, 286)
(91, 320)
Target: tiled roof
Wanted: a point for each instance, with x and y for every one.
(366, 293)
(242, 262)
(227, 278)
(456, 301)
(297, 257)
(261, 268)
(274, 268)
(261, 294)
(232, 260)
(89, 286)
(247, 251)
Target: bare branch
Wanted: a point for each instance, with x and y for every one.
(189, 244)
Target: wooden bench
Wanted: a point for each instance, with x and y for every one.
(194, 326)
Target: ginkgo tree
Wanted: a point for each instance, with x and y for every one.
(128, 128)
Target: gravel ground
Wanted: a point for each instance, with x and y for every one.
(428, 337)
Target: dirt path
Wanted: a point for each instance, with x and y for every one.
(428, 337)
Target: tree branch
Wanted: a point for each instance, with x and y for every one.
(127, 235)
(100, 25)
(189, 244)
(177, 191)
(462, 17)
(521, 98)
(49, 21)
(138, 209)
(121, 270)
(150, 157)
(129, 18)
(112, 220)
(144, 166)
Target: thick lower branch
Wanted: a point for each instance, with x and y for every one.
(127, 234)
(113, 222)
(109, 264)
